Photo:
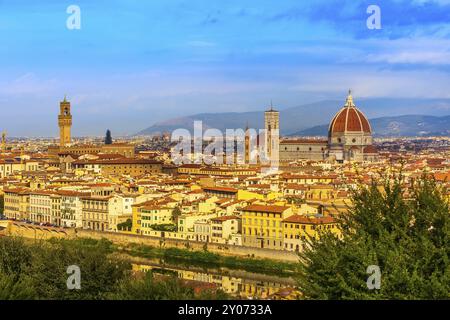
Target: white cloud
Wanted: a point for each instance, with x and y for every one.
(412, 57)
(412, 51)
(371, 82)
(440, 2)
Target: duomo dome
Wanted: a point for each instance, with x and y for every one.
(349, 139)
(349, 119)
(350, 133)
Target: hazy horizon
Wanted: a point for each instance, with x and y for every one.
(135, 63)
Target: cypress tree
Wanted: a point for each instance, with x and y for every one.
(108, 138)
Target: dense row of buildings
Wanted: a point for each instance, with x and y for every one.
(118, 188)
(245, 218)
(278, 211)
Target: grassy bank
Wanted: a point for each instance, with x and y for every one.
(208, 259)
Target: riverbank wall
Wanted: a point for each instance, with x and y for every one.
(30, 231)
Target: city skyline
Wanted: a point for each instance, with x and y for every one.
(224, 151)
(133, 64)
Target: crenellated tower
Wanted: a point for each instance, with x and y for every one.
(64, 122)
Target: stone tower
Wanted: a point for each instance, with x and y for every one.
(64, 122)
(4, 141)
(247, 145)
(272, 127)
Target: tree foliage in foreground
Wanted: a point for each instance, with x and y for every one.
(39, 271)
(405, 233)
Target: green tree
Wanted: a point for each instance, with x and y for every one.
(100, 274)
(108, 137)
(125, 226)
(164, 227)
(176, 212)
(404, 232)
(15, 256)
(15, 288)
(38, 270)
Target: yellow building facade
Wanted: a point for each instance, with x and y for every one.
(262, 225)
(298, 229)
(149, 213)
(16, 203)
(95, 213)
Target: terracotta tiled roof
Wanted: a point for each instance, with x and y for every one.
(221, 189)
(16, 190)
(444, 176)
(309, 220)
(69, 193)
(265, 208)
(224, 218)
(118, 161)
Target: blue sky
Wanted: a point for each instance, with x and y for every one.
(135, 62)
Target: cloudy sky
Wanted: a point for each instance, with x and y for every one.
(136, 62)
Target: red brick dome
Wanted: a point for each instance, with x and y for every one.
(370, 149)
(349, 119)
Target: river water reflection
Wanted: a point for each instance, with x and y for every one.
(237, 283)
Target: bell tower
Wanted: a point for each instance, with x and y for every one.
(272, 127)
(64, 122)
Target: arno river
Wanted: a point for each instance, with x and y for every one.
(237, 283)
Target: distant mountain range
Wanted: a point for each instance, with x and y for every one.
(404, 126)
(309, 119)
